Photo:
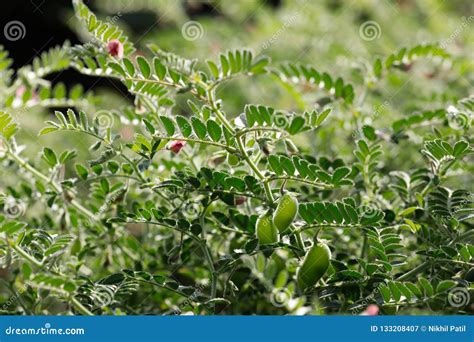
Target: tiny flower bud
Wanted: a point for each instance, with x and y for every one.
(115, 48)
(406, 66)
(20, 91)
(217, 160)
(239, 200)
(176, 146)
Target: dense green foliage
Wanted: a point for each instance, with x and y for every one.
(151, 207)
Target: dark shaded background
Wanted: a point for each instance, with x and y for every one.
(46, 26)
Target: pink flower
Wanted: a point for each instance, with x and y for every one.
(115, 48)
(20, 91)
(372, 310)
(176, 146)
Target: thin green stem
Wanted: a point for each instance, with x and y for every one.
(220, 80)
(164, 83)
(426, 264)
(207, 253)
(234, 193)
(446, 168)
(251, 163)
(25, 255)
(464, 235)
(89, 179)
(327, 225)
(459, 262)
(145, 80)
(22, 163)
(134, 166)
(255, 169)
(241, 232)
(258, 129)
(198, 141)
(219, 114)
(300, 180)
(299, 239)
(191, 160)
(81, 308)
(364, 249)
(162, 286)
(415, 271)
(191, 235)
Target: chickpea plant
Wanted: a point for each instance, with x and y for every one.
(212, 212)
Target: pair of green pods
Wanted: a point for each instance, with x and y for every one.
(317, 259)
(268, 227)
